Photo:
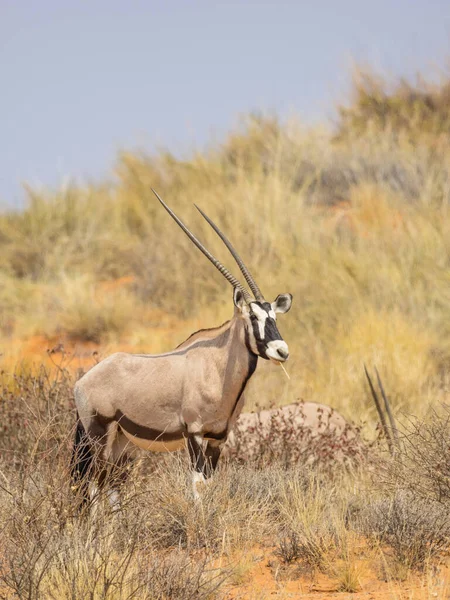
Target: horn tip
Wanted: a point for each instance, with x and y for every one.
(201, 212)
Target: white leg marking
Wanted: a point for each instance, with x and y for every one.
(114, 499)
(93, 492)
(196, 479)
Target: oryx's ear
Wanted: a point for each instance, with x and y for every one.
(282, 303)
(239, 299)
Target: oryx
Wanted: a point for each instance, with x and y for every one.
(191, 395)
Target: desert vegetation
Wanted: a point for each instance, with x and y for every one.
(352, 219)
(348, 525)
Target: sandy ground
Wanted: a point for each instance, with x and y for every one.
(261, 576)
(258, 574)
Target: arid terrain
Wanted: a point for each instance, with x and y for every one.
(354, 221)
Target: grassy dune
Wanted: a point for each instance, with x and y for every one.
(353, 222)
(274, 531)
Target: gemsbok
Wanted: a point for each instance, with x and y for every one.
(190, 396)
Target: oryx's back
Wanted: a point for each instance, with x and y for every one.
(127, 384)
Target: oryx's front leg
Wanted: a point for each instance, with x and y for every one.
(198, 461)
(204, 459)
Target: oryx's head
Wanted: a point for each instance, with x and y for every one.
(259, 316)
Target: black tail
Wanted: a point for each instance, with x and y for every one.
(81, 462)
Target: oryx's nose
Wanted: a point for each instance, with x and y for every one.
(283, 353)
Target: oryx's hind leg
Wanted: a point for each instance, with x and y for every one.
(118, 457)
(81, 463)
(212, 454)
(88, 454)
(204, 459)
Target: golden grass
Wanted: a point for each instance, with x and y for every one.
(273, 528)
(357, 227)
(358, 230)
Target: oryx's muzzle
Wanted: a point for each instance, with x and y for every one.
(277, 350)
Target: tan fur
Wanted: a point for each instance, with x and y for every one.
(156, 446)
(203, 334)
(174, 392)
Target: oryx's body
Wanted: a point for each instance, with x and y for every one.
(193, 394)
(158, 400)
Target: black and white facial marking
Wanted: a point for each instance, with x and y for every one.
(264, 337)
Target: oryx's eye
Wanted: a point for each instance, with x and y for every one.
(253, 317)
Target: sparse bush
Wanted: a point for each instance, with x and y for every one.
(309, 530)
(291, 436)
(349, 577)
(416, 110)
(36, 415)
(416, 530)
(357, 227)
(421, 467)
(289, 548)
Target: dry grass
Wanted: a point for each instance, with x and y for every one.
(368, 286)
(357, 227)
(412, 110)
(161, 544)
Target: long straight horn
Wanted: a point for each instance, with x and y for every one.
(245, 272)
(219, 266)
(388, 410)
(384, 426)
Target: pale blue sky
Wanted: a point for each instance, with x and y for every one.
(83, 79)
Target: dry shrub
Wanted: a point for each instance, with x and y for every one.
(36, 414)
(413, 110)
(233, 512)
(50, 550)
(284, 440)
(78, 565)
(422, 467)
(349, 575)
(415, 529)
(308, 529)
(406, 511)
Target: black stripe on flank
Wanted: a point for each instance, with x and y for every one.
(217, 436)
(146, 433)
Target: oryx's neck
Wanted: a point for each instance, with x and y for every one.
(233, 361)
